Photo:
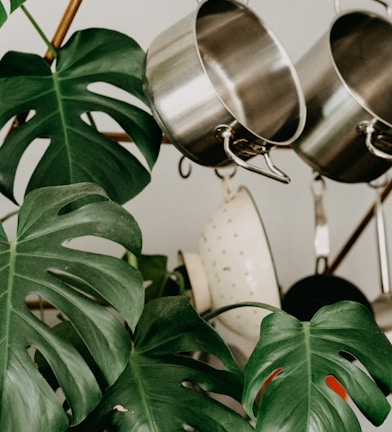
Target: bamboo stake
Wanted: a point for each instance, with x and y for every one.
(123, 137)
(64, 26)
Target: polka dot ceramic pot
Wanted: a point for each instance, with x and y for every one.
(235, 257)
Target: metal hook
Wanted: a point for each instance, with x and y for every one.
(317, 185)
(231, 175)
(380, 182)
(183, 174)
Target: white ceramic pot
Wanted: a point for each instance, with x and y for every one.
(201, 295)
(234, 265)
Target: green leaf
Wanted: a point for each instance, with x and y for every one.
(155, 274)
(57, 101)
(14, 4)
(303, 355)
(66, 331)
(39, 262)
(164, 389)
(158, 280)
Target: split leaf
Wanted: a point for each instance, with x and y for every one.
(290, 366)
(163, 388)
(40, 262)
(59, 103)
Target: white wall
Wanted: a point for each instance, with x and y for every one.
(172, 211)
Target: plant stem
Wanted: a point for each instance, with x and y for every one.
(39, 31)
(41, 309)
(9, 215)
(213, 314)
(91, 120)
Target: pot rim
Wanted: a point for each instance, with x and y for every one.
(356, 96)
(288, 64)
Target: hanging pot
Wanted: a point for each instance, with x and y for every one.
(223, 89)
(313, 292)
(234, 264)
(346, 79)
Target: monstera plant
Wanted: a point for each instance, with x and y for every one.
(121, 359)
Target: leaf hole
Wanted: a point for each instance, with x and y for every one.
(27, 164)
(48, 374)
(94, 244)
(86, 293)
(43, 310)
(113, 92)
(116, 136)
(209, 359)
(224, 399)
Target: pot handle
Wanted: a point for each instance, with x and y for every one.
(321, 230)
(383, 259)
(367, 127)
(274, 172)
(382, 2)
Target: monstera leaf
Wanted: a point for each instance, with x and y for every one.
(57, 101)
(13, 5)
(39, 262)
(292, 361)
(163, 388)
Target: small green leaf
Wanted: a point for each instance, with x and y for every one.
(303, 355)
(57, 102)
(39, 262)
(15, 4)
(155, 274)
(158, 280)
(163, 388)
(3, 15)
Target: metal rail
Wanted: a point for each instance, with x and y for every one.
(358, 231)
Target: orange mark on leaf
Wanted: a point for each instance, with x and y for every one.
(335, 385)
(268, 382)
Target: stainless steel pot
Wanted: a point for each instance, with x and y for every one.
(223, 89)
(347, 81)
